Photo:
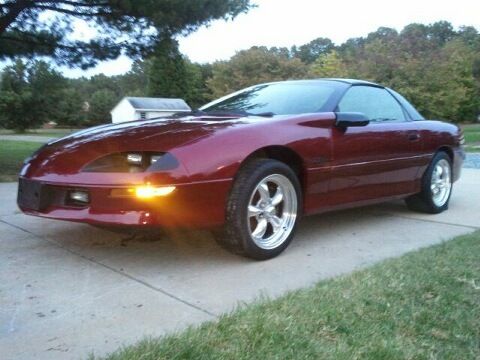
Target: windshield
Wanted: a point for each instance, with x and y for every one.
(286, 98)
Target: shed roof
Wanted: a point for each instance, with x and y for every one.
(165, 104)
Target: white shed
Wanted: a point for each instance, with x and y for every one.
(140, 108)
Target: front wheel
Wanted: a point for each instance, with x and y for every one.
(262, 210)
(436, 187)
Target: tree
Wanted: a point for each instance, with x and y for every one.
(415, 40)
(329, 66)
(444, 87)
(71, 108)
(198, 92)
(47, 86)
(167, 76)
(383, 33)
(29, 94)
(452, 83)
(308, 53)
(100, 104)
(135, 82)
(434, 66)
(253, 66)
(470, 36)
(31, 28)
(441, 32)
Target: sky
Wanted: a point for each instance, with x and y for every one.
(284, 23)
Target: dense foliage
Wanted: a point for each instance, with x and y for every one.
(254, 66)
(30, 95)
(434, 66)
(135, 27)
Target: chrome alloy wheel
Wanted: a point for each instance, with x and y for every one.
(441, 184)
(272, 211)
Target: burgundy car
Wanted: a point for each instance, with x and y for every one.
(250, 163)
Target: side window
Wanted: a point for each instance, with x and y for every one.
(376, 103)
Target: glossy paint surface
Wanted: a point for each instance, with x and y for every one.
(338, 167)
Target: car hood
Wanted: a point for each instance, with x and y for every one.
(167, 132)
(70, 154)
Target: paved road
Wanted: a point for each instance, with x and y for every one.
(472, 161)
(67, 289)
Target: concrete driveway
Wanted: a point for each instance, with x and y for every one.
(69, 289)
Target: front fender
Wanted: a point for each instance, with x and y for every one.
(219, 156)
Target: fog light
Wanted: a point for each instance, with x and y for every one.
(149, 191)
(79, 196)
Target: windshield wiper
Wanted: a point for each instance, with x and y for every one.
(194, 112)
(384, 119)
(264, 114)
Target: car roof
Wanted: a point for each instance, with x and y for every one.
(351, 81)
(338, 80)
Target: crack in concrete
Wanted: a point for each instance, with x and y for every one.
(429, 221)
(124, 274)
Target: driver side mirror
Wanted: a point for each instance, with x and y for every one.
(350, 119)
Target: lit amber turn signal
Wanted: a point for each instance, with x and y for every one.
(149, 191)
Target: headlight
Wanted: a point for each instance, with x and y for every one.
(132, 162)
(135, 159)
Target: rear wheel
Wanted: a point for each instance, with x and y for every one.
(262, 210)
(436, 187)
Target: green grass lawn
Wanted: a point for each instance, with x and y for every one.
(12, 154)
(472, 137)
(424, 305)
(41, 132)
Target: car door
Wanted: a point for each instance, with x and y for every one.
(378, 160)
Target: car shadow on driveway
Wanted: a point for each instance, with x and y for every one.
(325, 245)
(181, 247)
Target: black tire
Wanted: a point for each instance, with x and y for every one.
(235, 236)
(424, 200)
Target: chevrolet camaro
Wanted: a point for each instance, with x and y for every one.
(250, 163)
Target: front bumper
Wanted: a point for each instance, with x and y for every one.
(199, 205)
